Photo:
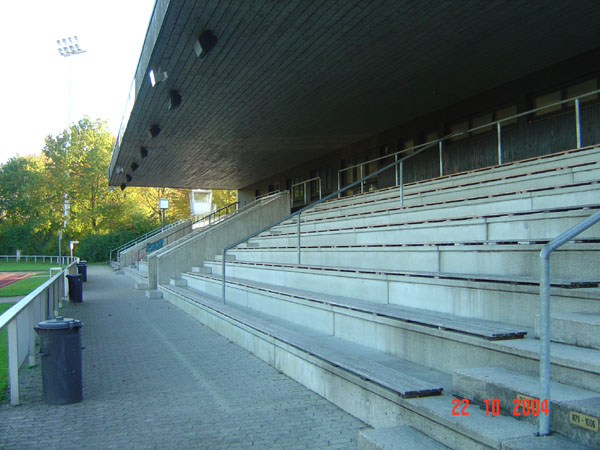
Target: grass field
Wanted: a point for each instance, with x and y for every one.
(3, 356)
(24, 286)
(25, 266)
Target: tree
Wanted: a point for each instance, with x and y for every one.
(77, 161)
(222, 197)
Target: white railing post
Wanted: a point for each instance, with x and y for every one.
(499, 128)
(13, 362)
(577, 123)
(441, 159)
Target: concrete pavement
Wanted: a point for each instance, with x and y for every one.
(155, 378)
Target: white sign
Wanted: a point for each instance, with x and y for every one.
(163, 203)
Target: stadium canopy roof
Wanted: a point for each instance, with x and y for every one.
(288, 81)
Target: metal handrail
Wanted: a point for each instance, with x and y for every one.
(305, 183)
(315, 203)
(143, 237)
(496, 123)
(241, 209)
(544, 423)
(204, 218)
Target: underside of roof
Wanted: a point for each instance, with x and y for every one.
(289, 81)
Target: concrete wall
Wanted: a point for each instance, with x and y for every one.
(137, 252)
(163, 266)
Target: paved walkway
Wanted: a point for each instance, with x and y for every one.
(156, 378)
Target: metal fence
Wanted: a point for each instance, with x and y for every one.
(41, 304)
(60, 260)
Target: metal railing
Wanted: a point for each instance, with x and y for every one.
(132, 243)
(212, 219)
(312, 205)
(545, 253)
(304, 189)
(497, 124)
(61, 260)
(41, 304)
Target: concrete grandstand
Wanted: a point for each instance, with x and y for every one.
(399, 167)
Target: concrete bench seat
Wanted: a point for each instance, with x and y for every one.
(569, 173)
(379, 405)
(348, 357)
(550, 198)
(548, 165)
(508, 299)
(574, 260)
(531, 225)
(476, 327)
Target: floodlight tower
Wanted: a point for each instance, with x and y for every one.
(68, 46)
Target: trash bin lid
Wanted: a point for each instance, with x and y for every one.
(77, 275)
(59, 323)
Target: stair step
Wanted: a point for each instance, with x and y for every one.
(202, 269)
(153, 294)
(178, 282)
(476, 327)
(229, 257)
(396, 438)
(431, 415)
(575, 412)
(581, 329)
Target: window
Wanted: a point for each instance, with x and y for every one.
(406, 146)
(547, 99)
(505, 112)
(457, 127)
(480, 120)
(583, 88)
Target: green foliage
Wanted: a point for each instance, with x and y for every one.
(222, 197)
(71, 170)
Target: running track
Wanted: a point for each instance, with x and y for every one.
(7, 278)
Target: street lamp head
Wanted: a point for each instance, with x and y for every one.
(69, 46)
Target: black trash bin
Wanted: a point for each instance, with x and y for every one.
(60, 348)
(82, 269)
(75, 288)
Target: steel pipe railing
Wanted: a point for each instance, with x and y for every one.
(544, 421)
(497, 123)
(312, 205)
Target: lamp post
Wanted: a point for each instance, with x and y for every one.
(68, 46)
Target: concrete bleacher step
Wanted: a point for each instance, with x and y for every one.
(358, 360)
(575, 412)
(426, 345)
(525, 226)
(359, 395)
(576, 328)
(228, 257)
(178, 282)
(396, 438)
(550, 199)
(428, 191)
(201, 269)
(153, 294)
(573, 260)
(526, 181)
(509, 170)
(442, 321)
(509, 299)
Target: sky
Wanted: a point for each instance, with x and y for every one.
(34, 78)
